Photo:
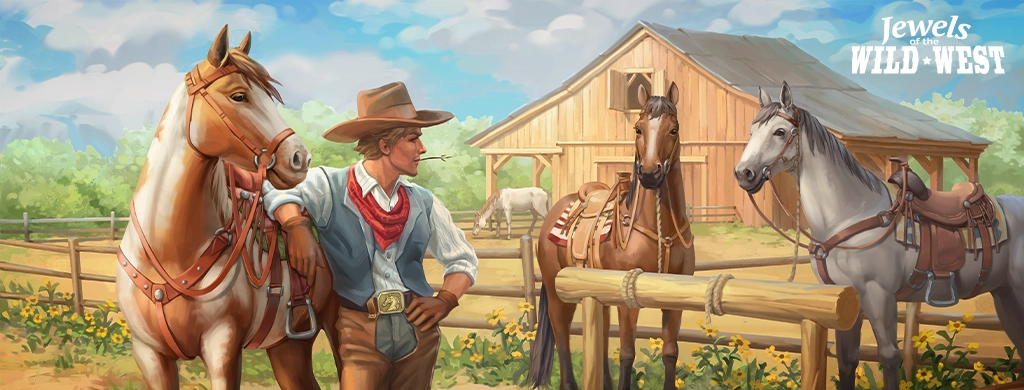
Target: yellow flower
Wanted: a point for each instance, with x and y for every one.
(968, 317)
(756, 386)
(69, 332)
(740, 375)
(679, 383)
(494, 348)
(88, 317)
(640, 382)
(972, 346)
(476, 358)
(126, 332)
(711, 332)
(922, 339)
(955, 326)
(529, 336)
(782, 357)
(116, 339)
(122, 322)
(770, 350)
(924, 374)
(456, 354)
(38, 318)
(90, 329)
(74, 317)
(467, 342)
(740, 343)
(525, 306)
(111, 305)
(616, 357)
(101, 332)
(791, 384)
(656, 343)
(495, 316)
(26, 311)
(517, 355)
(979, 366)
(679, 363)
(1000, 379)
(15, 303)
(772, 378)
(440, 354)
(940, 366)
(700, 322)
(934, 383)
(954, 384)
(7, 316)
(695, 350)
(512, 329)
(54, 311)
(904, 385)
(32, 299)
(860, 372)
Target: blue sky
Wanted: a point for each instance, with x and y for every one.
(112, 64)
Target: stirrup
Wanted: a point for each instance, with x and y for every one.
(952, 290)
(290, 332)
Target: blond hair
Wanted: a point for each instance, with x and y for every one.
(369, 146)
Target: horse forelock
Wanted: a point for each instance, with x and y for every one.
(657, 106)
(253, 72)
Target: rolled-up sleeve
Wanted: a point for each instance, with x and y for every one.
(312, 194)
(448, 243)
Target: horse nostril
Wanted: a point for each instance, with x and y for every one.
(296, 160)
(748, 174)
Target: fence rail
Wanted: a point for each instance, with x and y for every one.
(693, 213)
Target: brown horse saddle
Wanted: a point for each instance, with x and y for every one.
(944, 225)
(585, 223)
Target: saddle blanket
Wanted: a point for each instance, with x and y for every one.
(560, 238)
(905, 227)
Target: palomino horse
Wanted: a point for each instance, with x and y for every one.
(656, 238)
(509, 200)
(843, 202)
(186, 222)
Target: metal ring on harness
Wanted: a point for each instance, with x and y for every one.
(765, 173)
(818, 250)
(273, 160)
(306, 335)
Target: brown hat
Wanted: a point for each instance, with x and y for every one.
(383, 108)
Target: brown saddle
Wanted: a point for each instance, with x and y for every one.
(941, 215)
(595, 204)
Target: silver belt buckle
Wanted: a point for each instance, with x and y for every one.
(390, 302)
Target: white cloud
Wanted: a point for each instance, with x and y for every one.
(440, 8)
(335, 78)
(719, 25)
(765, 12)
(821, 30)
(412, 34)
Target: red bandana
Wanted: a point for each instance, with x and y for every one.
(387, 226)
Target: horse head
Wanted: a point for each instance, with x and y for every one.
(478, 223)
(657, 136)
(771, 134)
(232, 115)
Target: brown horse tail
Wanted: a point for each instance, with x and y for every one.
(542, 352)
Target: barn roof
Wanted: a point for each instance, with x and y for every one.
(748, 62)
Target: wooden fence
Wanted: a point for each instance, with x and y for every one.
(527, 291)
(698, 214)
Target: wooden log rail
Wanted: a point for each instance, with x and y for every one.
(815, 307)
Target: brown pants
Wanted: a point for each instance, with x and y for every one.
(365, 367)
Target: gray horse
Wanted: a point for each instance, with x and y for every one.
(837, 192)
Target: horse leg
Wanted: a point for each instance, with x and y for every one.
(497, 228)
(670, 320)
(292, 362)
(530, 233)
(561, 317)
(160, 371)
(880, 309)
(1010, 310)
(848, 354)
(627, 345)
(222, 353)
(508, 222)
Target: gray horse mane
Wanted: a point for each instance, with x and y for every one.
(820, 139)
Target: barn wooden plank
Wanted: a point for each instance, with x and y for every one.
(712, 111)
(588, 113)
(576, 133)
(703, 108)
(599, 94)
(694, 118)
(722, 107)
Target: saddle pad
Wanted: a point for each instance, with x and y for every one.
(914, 228)
(560, 238)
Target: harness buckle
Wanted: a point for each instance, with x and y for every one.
(885, 221)
(818, 251)
(917, 271)
(765, 173)
(273, 159)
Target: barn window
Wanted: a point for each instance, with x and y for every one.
(633, 83)
(623, 87)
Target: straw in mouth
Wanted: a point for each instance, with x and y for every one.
(441, 157)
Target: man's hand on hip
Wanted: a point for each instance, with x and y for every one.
(303, 250)
(425, 312)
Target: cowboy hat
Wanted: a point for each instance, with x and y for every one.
(383, 108)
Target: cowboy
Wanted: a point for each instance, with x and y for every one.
(374, 227)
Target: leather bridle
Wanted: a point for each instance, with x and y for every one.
(163, 293)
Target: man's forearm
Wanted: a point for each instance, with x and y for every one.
(457, 283)
(287, 211)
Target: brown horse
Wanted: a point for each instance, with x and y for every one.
(193, 215)
(655, 198)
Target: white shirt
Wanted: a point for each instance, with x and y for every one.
(447, 241)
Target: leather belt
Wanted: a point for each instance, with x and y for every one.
(372, 306)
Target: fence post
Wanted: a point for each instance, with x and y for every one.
(813, 355)
(25, 216)
(529, 281)
(76, 271)
(594, 336)
(113, 227)
(689, 211)
(910, 329)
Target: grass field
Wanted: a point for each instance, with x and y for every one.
(23, 370)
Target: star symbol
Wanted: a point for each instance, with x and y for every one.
(927, 61)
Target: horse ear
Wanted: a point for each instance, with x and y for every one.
(787, 96)
(246, 43)
(642, 95)
(219, 49)
(763, 96)
(673, 93)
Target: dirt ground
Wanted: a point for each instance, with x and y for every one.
(713, 242)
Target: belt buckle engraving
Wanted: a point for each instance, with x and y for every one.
(390, 302)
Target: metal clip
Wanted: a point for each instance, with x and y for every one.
(916, 286)
(273, 160)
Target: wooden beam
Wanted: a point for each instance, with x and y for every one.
(925, 162)
(538, 168)
(637, 70)
(500, 162)
(595, 315)
(967, 165)
(521, 151)
(544, 159)
(937, 173)
(490, 177)
(869, 161)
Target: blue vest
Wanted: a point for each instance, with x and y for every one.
(349, 244)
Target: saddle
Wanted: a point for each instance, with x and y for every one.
(587, 217)
(942, 217)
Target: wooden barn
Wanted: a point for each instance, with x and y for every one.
(582, 130)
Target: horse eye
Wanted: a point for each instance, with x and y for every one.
(239, 97)
(780, 132)
(673, 131)
(638, 132)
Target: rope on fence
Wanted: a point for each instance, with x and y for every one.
(713, 296)
(629, 287)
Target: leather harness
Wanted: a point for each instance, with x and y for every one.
(902, 205)
(161, 294)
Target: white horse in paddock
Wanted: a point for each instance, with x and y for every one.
(869, 242)
(510, 200)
